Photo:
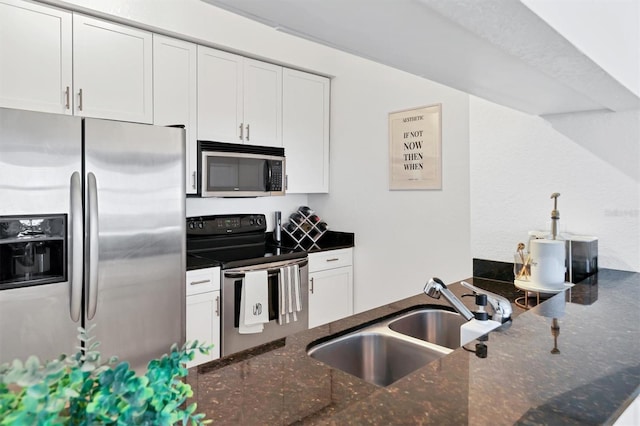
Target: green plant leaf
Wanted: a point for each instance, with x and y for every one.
(32, 364)
(79, 389)
(38, 391)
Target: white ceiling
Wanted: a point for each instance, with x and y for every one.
(498, 50)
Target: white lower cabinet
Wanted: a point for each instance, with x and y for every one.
(203, 311)
(330, 286)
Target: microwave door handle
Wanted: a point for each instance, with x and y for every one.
(268, 175)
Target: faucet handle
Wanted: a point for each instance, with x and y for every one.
(501, 306)
(480, 313)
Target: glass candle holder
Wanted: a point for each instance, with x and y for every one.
(521, 266)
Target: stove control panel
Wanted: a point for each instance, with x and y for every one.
(226, 224)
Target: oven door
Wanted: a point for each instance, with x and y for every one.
(232, 282)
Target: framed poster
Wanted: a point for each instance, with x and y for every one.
(415, 148)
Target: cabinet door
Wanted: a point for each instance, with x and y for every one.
(174, 94)
(305, 131)
(203, 324)
(262, 103)
(219, 96)
(330, 295)
(112, 71)
(35, 57)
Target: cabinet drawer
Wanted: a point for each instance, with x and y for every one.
(330, 259)
(203, 280)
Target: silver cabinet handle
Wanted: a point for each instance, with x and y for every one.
(75, 280)
(311, 285)
(199, 282)
(67, 104)
(241, 130)
(193, 175)
(247, 132)
(80, 100)
(93, 247)
(217, 306)
(333, 259)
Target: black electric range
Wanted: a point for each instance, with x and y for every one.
(234, 241)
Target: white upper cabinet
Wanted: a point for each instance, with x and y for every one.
(112, 69)
(239, 99)
(219, 95)
(305, 131)
(175, 94)
(262, 103)
(35, 57)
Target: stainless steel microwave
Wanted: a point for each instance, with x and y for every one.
(237, 170)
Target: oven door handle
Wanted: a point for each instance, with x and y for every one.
(271, 271)
(236, 275)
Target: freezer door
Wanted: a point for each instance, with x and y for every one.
(39, 154)
(135, 246)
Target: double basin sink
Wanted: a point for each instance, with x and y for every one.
(389, 349)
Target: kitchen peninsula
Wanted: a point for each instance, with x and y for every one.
(591, 380)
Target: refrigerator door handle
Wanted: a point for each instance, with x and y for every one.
(91, 261)
(75, 279)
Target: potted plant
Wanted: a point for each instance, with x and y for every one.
(82, 390)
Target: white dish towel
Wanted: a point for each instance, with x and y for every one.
(294, 270)
(283, 285)
(254, 302)
(290, 294)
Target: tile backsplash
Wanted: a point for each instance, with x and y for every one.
(493, 270)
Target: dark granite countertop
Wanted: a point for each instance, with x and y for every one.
(592, 379)
(197, 262)
(331, 240)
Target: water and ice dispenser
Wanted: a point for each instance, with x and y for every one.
(32, 250)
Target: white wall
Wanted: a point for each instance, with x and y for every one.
(519, 160)
(607, 31)
(402, 238)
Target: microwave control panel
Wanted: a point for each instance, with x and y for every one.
(276, 176)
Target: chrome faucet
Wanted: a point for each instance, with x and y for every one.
(435, 287)
(501, 307)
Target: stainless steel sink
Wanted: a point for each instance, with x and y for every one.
(432, 325)
(386, 351)
(375, 356)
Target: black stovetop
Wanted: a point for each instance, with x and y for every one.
(235, 257)
(233, 241)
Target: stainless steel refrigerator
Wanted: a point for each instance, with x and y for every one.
(92, 232)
